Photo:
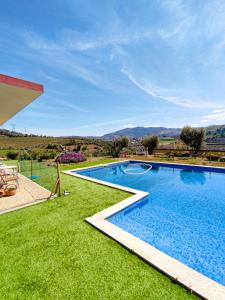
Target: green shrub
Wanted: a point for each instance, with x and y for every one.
(182, 154)
(212, 157)
(34, 154)
(52, 146)
(12, 155)
(46, 156)
(98, 153)
(169, 154)
(95, 154)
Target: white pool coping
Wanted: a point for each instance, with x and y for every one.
(186, 276)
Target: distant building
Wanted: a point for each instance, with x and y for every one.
(220, 140)
(141, 150)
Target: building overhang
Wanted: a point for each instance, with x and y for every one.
(15, 94)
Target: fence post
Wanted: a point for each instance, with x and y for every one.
(31, 169)
(57, 186)
(58, 179)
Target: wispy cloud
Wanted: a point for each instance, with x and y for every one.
(118, 57)
(166, 94)
(216, 111)
(216, 116)
(49, 77)
(68, 104)
(62, 52)
(115, 32)
(41, 115)
(61, 58)
(130, 125)
(118, 121)
(93, 125)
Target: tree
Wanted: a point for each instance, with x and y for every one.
(123, 142)
(193, 137)
(151, 143)
(117, 145)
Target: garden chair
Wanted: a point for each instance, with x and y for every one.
(6, 177)
(7, 186)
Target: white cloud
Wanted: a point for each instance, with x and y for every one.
(216, 116)
(119, 121)
(41, 115)
(130, 125)
(216, 111)
(167, 94)
(49, 77)
(61, 58)
(72, 54)
(102, 124)
(68, 104)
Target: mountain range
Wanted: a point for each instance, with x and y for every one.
(139, 132)
(213, 131)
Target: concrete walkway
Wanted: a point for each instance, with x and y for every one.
(28, 193)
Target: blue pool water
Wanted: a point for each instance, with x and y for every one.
(184, 215)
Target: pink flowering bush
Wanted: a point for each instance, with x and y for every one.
(70, 157)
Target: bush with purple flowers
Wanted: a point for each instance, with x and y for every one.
(70, 157)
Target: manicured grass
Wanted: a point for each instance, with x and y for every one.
(46, 174)
(88, 164)
(48, 251)
(11, 162)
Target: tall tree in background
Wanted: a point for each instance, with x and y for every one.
(117, 145)
(123, 142)
(151, 143)
(193, 137)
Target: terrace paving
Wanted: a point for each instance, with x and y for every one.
(28, 193)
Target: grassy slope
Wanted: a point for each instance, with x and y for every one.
(35, 142)
(48, 252)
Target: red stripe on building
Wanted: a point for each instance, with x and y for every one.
(21, 83)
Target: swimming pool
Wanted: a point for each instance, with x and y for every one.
(183, 215)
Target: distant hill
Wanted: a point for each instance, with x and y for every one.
(10, 133)
(216, 131)
(212, 132)
(139, 132)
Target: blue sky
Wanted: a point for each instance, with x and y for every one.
(106, 65)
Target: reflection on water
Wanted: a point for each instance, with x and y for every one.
(190, 177)
(155, 169)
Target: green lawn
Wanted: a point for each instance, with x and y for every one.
(48, 252)
(88, 163)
